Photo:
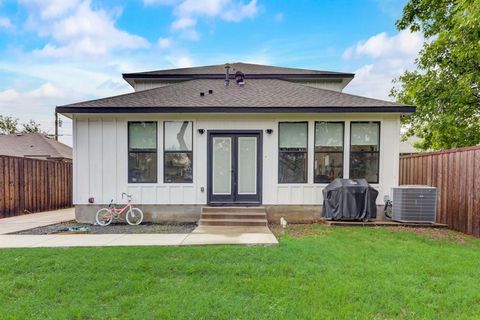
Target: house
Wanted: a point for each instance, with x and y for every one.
(34, 145)
(230, 135)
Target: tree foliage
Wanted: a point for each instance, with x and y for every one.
(9, 125)
(445, 86)
(31, 127)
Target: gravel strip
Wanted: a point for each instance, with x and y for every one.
(113, 228)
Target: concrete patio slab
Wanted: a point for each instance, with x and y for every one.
(202, 235)
(34, 220)
(78, 240)
(205, 235)
(149, 239)
(22, 241)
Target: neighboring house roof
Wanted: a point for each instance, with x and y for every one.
(33, 145)
(261, 96)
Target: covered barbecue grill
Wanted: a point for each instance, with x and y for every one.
(349, 199)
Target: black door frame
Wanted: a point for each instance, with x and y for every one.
(234, 198)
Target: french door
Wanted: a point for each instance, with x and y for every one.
(234, 167)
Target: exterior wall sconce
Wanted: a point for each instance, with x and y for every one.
(269, 131)
(201, 131)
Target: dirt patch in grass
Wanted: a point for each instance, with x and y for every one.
(300, 230)
(439, 234)
(117, 228)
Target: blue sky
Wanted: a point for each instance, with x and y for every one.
(61, 51)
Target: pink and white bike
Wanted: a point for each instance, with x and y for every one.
(105, 216)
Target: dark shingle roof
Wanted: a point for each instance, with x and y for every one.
(33, 145)
(247, 68)
(268, 95)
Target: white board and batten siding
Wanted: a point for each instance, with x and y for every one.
(101, 157)
(328, 85)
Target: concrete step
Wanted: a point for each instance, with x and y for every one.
(233, 215)
(233, 209)
(233, 222)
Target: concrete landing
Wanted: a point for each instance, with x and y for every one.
(34, 220)
(251, 235)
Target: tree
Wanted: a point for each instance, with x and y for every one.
(8, 124)
(31, 127)
(445, 87)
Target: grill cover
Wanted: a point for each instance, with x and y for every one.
(349, 199)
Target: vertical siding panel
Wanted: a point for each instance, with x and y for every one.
(95, 159)
(109, 161)
(82, 175)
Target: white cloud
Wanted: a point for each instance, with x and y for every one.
(389, 57)
(164, 43)
(188, 12)
(161, 2)
(48, 9)
(180, 60)
(403, 44)
(183, 23)
(6, 23)
(78, 30)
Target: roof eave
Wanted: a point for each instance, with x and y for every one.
(155, 109)
(285, 76)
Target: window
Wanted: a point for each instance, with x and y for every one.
(292, 152)
(178, 154)
(142, 152)
(328, 151)
(364, 150)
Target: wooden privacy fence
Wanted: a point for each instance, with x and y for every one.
(456, 174)
(30, 185)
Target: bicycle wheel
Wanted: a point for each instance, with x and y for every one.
(134, 216)
(104, 217)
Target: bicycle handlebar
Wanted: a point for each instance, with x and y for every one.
(126, 194)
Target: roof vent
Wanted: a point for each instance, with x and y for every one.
(227, 74)
(240, 78)
(202, 94)
(210, 91)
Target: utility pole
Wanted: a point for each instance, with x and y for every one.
(56, 126)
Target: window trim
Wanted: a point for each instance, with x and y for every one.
(156, 151)
(278, 154)
(177, 151)
(362, 152)
(315, 152)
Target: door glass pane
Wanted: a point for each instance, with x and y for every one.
(221, 165)
(247, 165)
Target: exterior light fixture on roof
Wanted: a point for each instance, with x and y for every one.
(240, 78)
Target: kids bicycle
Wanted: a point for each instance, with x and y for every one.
(105, 216)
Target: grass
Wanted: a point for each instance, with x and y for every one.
(316, 272)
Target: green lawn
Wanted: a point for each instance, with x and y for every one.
(316, 272)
